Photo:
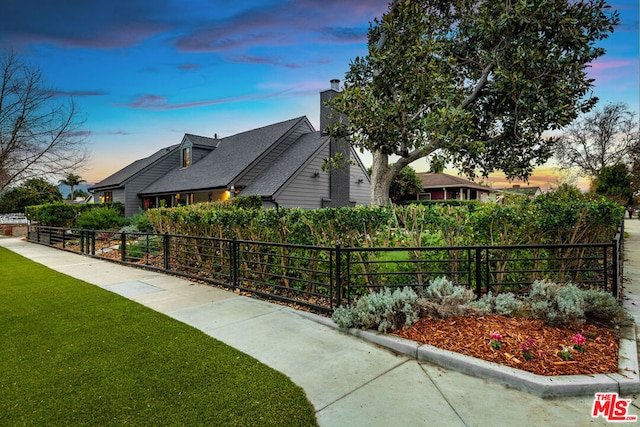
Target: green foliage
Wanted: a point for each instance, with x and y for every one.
(614, 182)
(246, 202)
(405, 186)
(53, 214)
(140, 222)
(35, 191)
(101, 218)
(384, 310)
(64, 215)
(440, 79)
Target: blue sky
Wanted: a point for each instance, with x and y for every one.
(145, 72)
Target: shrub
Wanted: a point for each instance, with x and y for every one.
(443, 299)
(570, 305)
(555, 304)
(602, 307)
(140, 223)
(102, 218)
(383, 310)
(508, 304)
(485, 305)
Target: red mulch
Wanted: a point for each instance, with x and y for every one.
(471, 335)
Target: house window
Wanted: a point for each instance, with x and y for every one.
(186, 157)
(108, 197)
(424, 196)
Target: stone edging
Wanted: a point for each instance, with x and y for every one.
(626, 381)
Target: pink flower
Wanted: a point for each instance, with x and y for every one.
(579, 339)
(496, 337)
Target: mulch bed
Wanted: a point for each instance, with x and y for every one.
(471, 335)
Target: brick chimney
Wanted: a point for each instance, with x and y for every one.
(339, 178)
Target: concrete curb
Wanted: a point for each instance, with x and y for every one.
(625, 381)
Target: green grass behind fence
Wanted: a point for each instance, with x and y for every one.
(74, 354)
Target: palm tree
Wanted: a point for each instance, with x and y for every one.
(71, 180)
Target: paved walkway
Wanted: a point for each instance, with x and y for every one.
(349, 381)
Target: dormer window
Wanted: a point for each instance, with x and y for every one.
(186, 157)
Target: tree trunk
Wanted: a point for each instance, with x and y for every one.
(381, 177)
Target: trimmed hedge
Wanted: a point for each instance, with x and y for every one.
(64, 215)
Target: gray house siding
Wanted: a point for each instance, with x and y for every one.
(133, 203)
(308, 187)
(119, 195)
(273, 154)
(359, 186)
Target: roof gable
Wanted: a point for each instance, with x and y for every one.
(200, 141)
(270, 180)
(118, 178)
(219, 168)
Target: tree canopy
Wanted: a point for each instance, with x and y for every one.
(40, 133)
(614, 182)
(605, 137)
(34, 191)
(476, 82)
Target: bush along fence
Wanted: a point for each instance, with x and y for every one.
(323, 278)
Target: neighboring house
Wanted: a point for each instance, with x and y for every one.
(531, 192)
(440, 186)
(282, 163)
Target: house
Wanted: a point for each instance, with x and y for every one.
(440, 186)
(281, 163)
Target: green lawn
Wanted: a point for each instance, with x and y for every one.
(74, 354)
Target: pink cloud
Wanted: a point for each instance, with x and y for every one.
(160, 103)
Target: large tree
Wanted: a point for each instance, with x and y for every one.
(40, 133)
(476, 82)
(605, 137)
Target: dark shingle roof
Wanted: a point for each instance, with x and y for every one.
(442, 180)
(118, 178)
(219, 168)
(269, 181)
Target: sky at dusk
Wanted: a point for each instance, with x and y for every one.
(145, 72)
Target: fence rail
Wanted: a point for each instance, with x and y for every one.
(323, 278)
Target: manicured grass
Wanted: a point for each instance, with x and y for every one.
(74, 354)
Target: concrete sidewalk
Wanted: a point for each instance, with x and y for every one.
(349, 381)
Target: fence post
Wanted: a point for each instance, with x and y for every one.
(165, 251)
(338, 278)
(93, 242)
(123, 246)
(615, 266)
(233, 261)
(478, 273)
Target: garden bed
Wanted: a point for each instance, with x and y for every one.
(472, 336)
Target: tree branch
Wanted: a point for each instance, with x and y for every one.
(484, 79)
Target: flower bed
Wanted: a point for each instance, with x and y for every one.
(520, 339)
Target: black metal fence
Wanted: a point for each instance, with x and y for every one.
(323, 278)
